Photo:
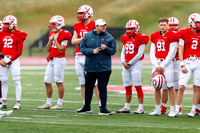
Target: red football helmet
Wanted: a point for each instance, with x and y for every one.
(173, 24)
(86, 10)
(132, 24)
(157, 80)
(193, 19)
(9, 22)
(57, 22)
(1, 25)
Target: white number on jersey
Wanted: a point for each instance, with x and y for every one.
(8, 42)
(194, 44)
(129, 48)
(82, 33)
(161, 46)
(53, 45)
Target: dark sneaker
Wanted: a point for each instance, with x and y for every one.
(4, 106)
(84, 110)
(104, 111)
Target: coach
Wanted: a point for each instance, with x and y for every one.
(98, 46)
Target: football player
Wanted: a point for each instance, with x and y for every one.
(59, 40)
(12, 40)
(189, 55)
(131, 56)
(173, 26)
(85, 12)
(163, 50)
(1, 63)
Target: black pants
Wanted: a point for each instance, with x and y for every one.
(102, 78)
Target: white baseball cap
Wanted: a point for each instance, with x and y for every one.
(100, 22)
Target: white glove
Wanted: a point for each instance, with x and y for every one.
(7, 60)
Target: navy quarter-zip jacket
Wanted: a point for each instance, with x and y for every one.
(102, 61)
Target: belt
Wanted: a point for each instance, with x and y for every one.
(160, 59)
(80, 54)
(8, 56)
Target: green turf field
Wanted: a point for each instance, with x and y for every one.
(29, 119)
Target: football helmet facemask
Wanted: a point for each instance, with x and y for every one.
(87, 12)
(130, 25)
(173, 24)
(9, 22)
(193, 19)
(157, 80)
(56, 23)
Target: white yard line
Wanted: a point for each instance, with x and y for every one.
(107, 125)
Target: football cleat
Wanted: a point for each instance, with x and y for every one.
(139, 111)
(45, 106)
(5, 113)
(197, 112)
(191, 114)
(17, 106)
(84, 110)
(104, 111)
(4, 106)
(180, 111)
(56, 107)
(163, 109)
(172, 113)
(155, 112)
(123, 110)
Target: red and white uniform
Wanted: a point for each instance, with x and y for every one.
(163, 50)
(81, 30)
(11, 45)
(191, 56)
(57, 61)
(133, 53)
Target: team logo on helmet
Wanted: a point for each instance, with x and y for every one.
(157, 80)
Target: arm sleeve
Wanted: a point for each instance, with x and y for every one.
(83, 47)
(171, 54)
(152, 55)
(111, 48)
(139, 54)
(123, 55)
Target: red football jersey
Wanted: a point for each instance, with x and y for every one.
(81, 30)
(191, 43)
(12, 43)
(162, 43)
(63, 35)
(131, 45)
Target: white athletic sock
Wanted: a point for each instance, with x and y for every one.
(171, 107)
(83, 102)
(141, 106)
(164, 104)
(194, 108)
(127, 105)
(157, 107)
(99, 103)
(49, 100)
(1, 100)
(198, 106)
(18, 90)
(177, 108)
(60, 101)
